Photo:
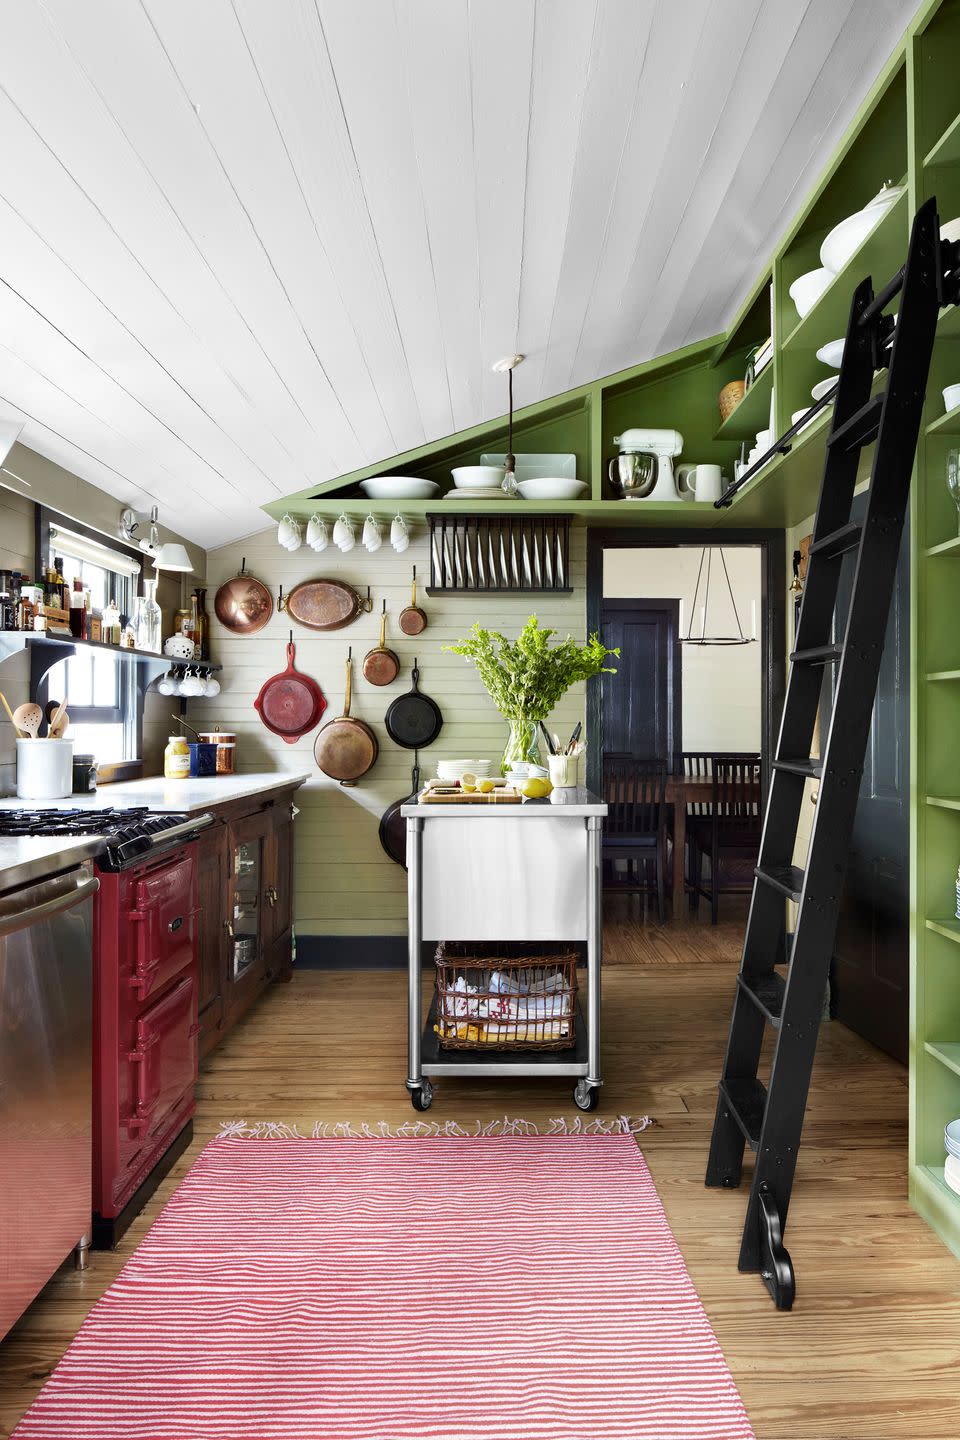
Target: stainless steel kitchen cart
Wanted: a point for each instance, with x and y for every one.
(526, 872)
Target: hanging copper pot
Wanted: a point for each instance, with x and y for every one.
(380, 665)
(413, 620)
(243, 605)
(345, 748)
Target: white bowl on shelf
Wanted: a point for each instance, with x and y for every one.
(951, 397)
(798, 415)
(399, 487)
(822, 387)
(807, 289)
(553, 487)
(832, 354)
(845, 239)
(477, 477)
(951, 1138)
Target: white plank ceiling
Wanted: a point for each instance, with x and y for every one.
(247, 246)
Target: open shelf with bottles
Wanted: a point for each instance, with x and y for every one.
(12, 642)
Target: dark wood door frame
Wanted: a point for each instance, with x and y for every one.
(675, 685)
(773, 619)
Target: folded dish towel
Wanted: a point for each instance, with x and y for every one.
(500, 1000)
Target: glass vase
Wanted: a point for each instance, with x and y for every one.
(149, 621)
(521, 744)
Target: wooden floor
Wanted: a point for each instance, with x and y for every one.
(871, 1350)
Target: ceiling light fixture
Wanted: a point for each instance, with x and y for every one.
(509, 363)
(167, 556)
(706, 555)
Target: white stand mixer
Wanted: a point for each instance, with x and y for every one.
(631, 472)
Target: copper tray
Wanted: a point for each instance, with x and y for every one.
(243, 604)
(324, 604)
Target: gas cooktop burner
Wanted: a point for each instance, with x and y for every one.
(128, 833)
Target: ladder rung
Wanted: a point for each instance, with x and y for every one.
(862, 426)
(811, 769)
(747, 1099)
(838, 542)
(766, 992)
(788, 879)
(818, 655)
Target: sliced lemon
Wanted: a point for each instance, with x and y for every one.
(485, 787)
(468, 782)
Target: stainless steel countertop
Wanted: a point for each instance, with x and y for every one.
(25, 859)
(560, 804)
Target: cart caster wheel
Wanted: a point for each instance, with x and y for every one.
(586, 1097)
(422, 1099)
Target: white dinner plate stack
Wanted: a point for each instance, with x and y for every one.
(951, 1169)
(452, 770)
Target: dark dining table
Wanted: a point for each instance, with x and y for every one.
(681, 791)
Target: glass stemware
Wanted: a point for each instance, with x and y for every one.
(953, 479)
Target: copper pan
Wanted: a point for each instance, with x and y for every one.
(345, 748)
(243, 605)
(381, 666)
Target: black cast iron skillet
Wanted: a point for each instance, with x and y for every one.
(393, 827)
(413, 720)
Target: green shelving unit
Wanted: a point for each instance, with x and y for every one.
(908, 128)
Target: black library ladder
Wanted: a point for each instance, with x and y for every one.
(769, 1118)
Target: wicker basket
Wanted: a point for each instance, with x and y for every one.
(506, 996)
(730, 397)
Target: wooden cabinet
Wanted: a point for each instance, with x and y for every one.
(245, 867)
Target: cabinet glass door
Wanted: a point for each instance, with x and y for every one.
(247, 888)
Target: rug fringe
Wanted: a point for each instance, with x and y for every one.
(429, 1129)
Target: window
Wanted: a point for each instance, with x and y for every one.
(103, 695)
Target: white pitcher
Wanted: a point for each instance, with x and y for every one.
(700, 482)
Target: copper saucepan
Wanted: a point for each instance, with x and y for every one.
(243, 604)
(381, 666)
(346, 748)
(413, 620)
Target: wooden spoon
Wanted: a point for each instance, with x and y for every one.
(28, 718)
(58, 722)
(21, 734)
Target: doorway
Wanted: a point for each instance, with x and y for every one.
(689, 711)
(642, 704)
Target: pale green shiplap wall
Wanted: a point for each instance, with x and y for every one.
(345, 884)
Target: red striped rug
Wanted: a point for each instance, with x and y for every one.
(398, 1289)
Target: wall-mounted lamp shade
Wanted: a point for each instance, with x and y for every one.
(172, 557)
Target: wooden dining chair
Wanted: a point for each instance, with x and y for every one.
(635, 829)
(729, 833)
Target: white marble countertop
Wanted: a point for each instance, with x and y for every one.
(160, 794)
(563, 804)
(25, 859)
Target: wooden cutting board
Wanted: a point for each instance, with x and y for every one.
(496, 797)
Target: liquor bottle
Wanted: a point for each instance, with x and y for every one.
(204, 625)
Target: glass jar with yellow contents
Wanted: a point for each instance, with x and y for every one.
(176, 758)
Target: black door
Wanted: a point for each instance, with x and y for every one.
(641, 703)
(870, 973)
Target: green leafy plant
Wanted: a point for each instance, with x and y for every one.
(526, 678)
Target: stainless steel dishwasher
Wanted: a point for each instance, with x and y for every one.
(46, 968)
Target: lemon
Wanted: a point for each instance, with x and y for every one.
(536, 789)
(485, 787)
(468, 782)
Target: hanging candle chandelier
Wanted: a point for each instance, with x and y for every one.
(704, 576)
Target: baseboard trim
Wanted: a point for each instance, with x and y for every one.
(364, 952)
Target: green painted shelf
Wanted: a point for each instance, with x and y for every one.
(947, 1052)
(947, 149)
(944, 675)
(880, 255)
(946, 547)
(950, 929)
(753, 412)
(944, 802)
(948, 424)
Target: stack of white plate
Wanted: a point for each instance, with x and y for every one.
(451, 770)
(951, 1169)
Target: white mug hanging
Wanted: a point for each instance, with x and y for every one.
(211, 687)
(372, 538)
(166, 683)
(317, 535)
(191, 684)
(285, 531)
(296, 537)
(399, 538)
(343, 534)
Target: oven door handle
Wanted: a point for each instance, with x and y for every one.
(67, 900)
